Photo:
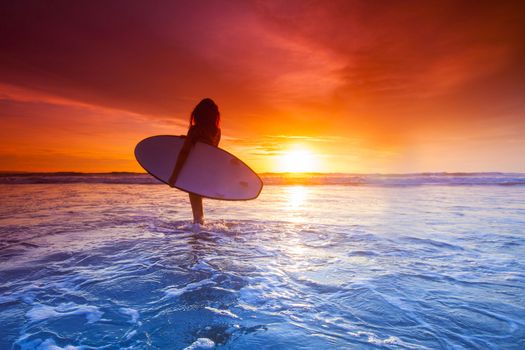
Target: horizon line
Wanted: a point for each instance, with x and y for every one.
(79, 173)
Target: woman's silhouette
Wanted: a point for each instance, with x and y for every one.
(204, 127)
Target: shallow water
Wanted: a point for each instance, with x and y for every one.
(117, 266)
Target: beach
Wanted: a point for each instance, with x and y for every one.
(420, 261)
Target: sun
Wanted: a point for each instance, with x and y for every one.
(298, 159)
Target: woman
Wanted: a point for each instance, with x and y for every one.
(204, 127)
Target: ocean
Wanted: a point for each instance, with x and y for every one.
(318, 261)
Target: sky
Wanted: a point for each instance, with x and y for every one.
(323, 86)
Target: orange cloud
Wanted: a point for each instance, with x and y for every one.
(389, 85)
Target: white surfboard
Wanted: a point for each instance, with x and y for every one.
(209, 171)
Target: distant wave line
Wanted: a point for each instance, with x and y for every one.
(306, 179)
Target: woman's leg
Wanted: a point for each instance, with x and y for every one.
(197, 209)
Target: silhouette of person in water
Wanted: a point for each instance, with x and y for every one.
(204, 127)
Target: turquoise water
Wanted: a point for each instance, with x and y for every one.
(118, 266)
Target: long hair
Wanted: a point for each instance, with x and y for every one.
(206, 114)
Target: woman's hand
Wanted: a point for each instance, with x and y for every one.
(181, 159)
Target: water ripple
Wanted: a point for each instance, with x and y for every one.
(111, 270)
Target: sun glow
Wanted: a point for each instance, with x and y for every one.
(298, 159)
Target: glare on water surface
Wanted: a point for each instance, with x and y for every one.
(296, 197)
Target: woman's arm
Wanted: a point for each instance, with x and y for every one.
(181, 159)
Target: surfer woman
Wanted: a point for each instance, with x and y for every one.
(204, 127)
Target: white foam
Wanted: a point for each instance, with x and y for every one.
(134, 314)
(130, 335)
(374, 339)
(232, 329)
(202, 266)
(221, 312)
(48, 344)
(215, 226)
(41, 312)
(201, 343)
(175, 291)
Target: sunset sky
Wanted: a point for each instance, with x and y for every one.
(325, 86)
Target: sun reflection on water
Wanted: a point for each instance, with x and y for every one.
(295, 202)
(296, 197)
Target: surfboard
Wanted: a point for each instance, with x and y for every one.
(209, 171)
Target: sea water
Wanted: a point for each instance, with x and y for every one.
(421, 261)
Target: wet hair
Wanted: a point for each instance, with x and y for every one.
(206, 114)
